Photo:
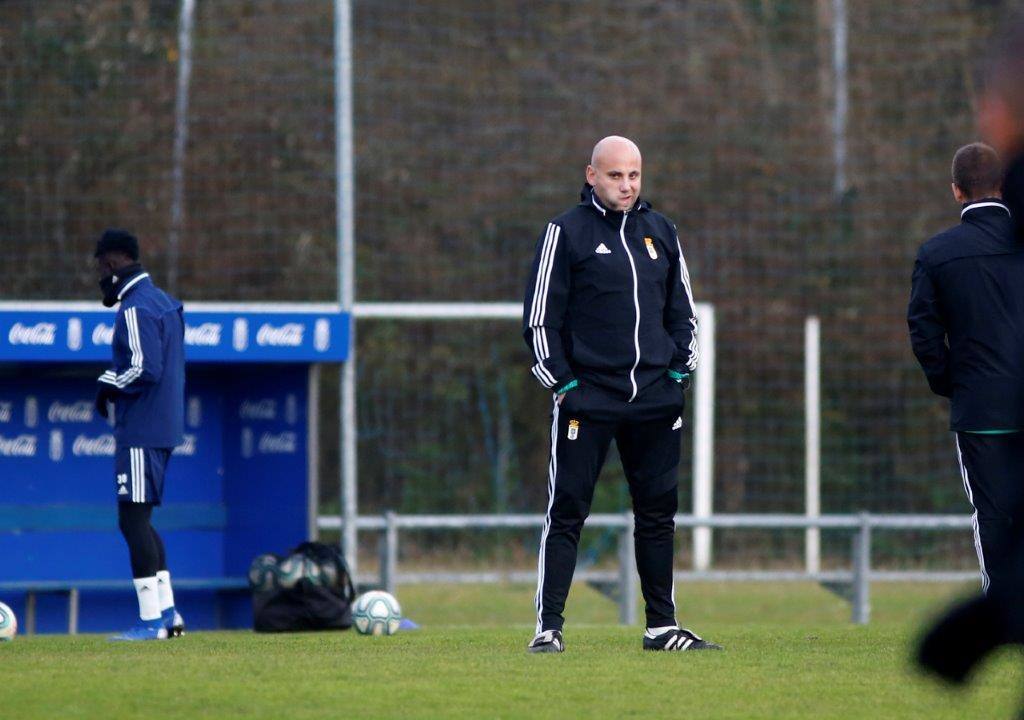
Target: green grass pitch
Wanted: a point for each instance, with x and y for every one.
(790, 653)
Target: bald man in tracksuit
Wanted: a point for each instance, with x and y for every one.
(609, 317)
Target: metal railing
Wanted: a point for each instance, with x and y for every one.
(859, 577)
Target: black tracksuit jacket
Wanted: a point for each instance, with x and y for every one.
(608, 301)
(966, 318)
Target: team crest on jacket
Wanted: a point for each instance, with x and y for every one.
(649, 242)
(574, 429)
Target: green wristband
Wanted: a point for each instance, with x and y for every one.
(677, 376)
(567, 387)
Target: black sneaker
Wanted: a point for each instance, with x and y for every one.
(677, 639)
(177, 625)
(549, 641)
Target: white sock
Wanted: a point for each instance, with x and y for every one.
(655, 632)
(149, 599)
(163, 586)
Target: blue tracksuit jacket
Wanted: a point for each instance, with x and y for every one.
(149, 366)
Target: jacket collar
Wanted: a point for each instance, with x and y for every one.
(986, 205)
(589, 198)
(130, 281)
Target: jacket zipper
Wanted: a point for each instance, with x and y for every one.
(636, 306)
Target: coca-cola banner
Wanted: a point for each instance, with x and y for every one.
(55, 446)
(214, 332)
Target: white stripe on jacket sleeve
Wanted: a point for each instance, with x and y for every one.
(538, 306)
(134, 371)
(684, 277)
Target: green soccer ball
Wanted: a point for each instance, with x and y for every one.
(377, 613)
(311, 571)
(290, 571)
(8, 623)
(263, 573)
(329, 575)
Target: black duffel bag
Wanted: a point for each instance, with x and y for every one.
(308, 589)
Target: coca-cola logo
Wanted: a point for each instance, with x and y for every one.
(75, 334)
(206, 335)
(247, 442)
(265, 409)
(80, 411)
(240, 334)
(19, 446)
(287, 335)
(322, 335)
(6, 411)
(187, 447)
(103, 334)
(43, 333)
(31, 411)
(195, 412)
(101, 446)
(280, 443)
(56, 445)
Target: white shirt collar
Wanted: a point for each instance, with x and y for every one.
(987, 203)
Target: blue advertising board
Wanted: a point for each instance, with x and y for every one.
(214, 332)
(243, 482)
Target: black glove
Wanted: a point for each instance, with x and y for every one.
(104, 393)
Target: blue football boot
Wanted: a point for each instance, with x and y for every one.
(145, 630)
(174, 622)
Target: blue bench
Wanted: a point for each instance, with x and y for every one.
(25, 519)
(72, 588)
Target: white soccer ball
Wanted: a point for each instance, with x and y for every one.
(377, 613)
(263, 573)
(329, 575)
(311, 571)
(290, 571)
(8, 623)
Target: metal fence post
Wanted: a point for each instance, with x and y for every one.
(704, 437)
(30, 613)
(861, 611)
(389, 561)
(627, 572)
(73, 611)
(812, 441)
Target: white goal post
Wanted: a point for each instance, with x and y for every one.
(703, 412)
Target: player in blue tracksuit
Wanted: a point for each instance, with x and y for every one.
(610, 320)
(146, 386)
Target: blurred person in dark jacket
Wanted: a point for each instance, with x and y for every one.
(955, 644)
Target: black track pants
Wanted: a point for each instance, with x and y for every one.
(992, 467)
(647, 432)
(145, 547)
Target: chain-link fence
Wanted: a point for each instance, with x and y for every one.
(802, 146)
